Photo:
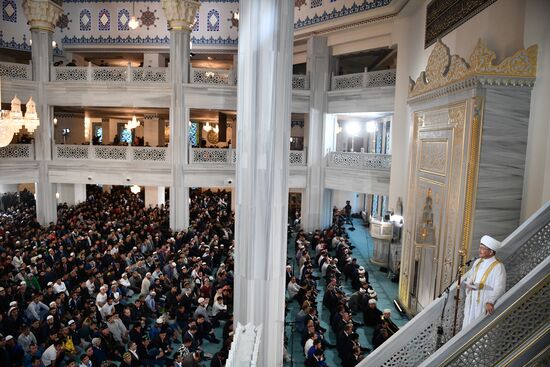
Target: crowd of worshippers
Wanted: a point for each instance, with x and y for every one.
(110, 284)
(330, 252)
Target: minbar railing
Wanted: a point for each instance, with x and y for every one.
(527, 248)
(123, 74)
(372, 79)
(110, 153)
(10, 70)
(229, 156)
(18, 151)
(359, 160)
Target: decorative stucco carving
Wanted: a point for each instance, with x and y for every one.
(180, 13)
(42, 14)
(443, 69)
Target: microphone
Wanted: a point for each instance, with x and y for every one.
(470, 261)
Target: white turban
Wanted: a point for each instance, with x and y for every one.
(491, 243)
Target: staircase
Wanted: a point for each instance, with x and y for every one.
(517, 334)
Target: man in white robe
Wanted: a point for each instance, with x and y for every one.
(485, 282)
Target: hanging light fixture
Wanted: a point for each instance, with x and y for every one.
(132, 124)
(135, 189)
(14, 120)
(133, 23)
(207, 127)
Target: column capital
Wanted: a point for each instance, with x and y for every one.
(180, 13)
(42, 14)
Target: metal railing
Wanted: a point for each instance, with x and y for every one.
(10, 70)
(123, 74)
(229, 156)
(110, 153)
(383, 78)
(523, 250)
(18, 151)
(359, 160)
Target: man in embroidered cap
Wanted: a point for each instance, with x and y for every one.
(485, 281)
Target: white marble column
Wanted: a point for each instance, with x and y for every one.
(180, 15)
(42, 16)
(318, 66)
(263, 133)
(79, 193)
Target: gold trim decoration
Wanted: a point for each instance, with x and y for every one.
(443, 69)
(471, 176)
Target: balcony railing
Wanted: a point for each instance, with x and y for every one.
(359, 160)
(18, 151)
(300, 82)
(10, 70)
(213, 76)
(383, 78)
(110, 153)
(229, 156)
(124, 74)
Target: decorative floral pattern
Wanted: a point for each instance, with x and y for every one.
(63, 22)
(148, 18)
(299, 3)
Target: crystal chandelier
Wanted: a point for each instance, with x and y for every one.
(12, 121)
(132, 124)
(135, 189)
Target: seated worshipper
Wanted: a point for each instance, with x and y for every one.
(293, 288)
(392, 328)
(356, 300)
(205, 330)
(485, 282)
(380, 338)
(317, 359)
(151, 303)
(219, 309)
(371, 313)
(36, 310)
(361, 278)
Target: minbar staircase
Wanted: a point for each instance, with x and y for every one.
(517, 334)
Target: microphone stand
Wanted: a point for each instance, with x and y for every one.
(446, 291)
(462, 254)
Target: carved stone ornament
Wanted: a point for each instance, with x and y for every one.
(42, 14)
(443, 69)
(180, 13)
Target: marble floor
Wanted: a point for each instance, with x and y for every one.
(385, 288)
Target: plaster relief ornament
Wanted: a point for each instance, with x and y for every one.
(63, 22)
(148, 18)
(234, 19)
(299, 3)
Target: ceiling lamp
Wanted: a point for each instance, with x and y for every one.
(236, 16)
(135, 189)
(14, 120)
(133, 23)
(207, 127)
(132, 124)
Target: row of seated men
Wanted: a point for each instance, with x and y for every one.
(314, 252)
(109, 284)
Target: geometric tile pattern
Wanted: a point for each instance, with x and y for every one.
(85, 20)
(123, 19)
(9, 11)
(213, 21)
(196, 25)
(104, 20)
(316, 3)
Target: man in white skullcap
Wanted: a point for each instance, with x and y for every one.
(485, 281)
